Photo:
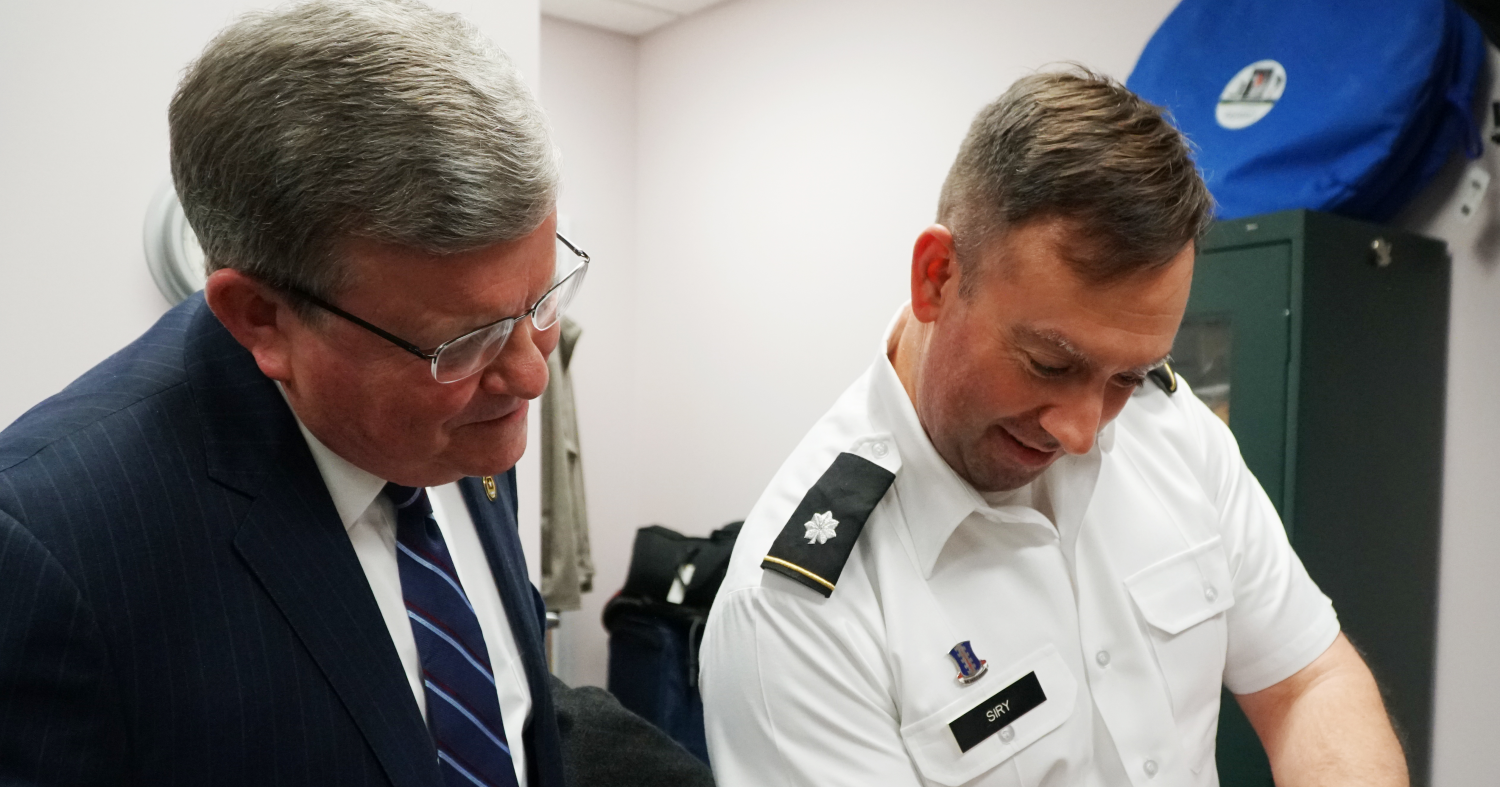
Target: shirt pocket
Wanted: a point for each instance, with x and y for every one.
(1183, 599)
(935, 750)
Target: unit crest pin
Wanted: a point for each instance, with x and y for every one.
(970, 666)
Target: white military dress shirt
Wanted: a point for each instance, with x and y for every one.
(370, 519)
(1159, 571)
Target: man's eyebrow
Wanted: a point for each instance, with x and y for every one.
(1054, 339)
(1060, 343)
(1141, 371)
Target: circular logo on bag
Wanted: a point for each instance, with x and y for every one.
(1251, 94)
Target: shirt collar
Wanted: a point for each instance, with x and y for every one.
(353, 489)
(933, 498)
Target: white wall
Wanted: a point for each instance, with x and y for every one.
(790, 151)
(787, 154)
(83, 148)
(588, 87)
(1468, 629)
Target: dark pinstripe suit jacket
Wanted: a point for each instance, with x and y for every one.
(180, 604)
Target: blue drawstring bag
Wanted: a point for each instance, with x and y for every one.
(1349, 107)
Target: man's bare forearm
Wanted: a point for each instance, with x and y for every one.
(1326, 725)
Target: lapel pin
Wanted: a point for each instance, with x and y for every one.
(970, 666)
(489, 487)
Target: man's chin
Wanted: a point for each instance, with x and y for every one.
(1007, 480)
(490, 463)
(488, 448)
(1000, 463)
(994, 473)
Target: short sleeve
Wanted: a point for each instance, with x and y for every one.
(791, 701)
(1280, 621)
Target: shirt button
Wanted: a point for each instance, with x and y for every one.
(1210, 592)
(1102, 657)
(1007, 734)
(1150, 767)
(879, 449)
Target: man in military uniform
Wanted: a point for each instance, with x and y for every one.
(1018, 550)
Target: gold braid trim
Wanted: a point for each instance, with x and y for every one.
(800, 570)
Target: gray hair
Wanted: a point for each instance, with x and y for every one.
(382, 119)
(1079, 146)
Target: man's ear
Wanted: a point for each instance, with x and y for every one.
(257, 318)
(934, 272)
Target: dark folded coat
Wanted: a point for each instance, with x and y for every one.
(605, 745)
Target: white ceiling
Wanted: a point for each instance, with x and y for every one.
(631, 17)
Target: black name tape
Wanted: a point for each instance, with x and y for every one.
(997, 712)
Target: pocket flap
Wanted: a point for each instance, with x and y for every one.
(1184, 589)
(935, 750)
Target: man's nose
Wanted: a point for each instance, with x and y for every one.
(521, 367)
(1075, 421)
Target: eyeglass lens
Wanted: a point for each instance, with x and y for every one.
(473, 352)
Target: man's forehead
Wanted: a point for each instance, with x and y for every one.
(1060, 246)
(481, 284)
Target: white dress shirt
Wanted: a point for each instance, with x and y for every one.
(1159, 572)
(370, 519)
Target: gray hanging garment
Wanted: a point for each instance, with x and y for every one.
(567, 568)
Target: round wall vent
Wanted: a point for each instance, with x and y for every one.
(172, 251)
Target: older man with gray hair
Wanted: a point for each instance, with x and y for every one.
(273, 541)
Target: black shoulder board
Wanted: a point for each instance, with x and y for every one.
(1164, 377)
(819, 537)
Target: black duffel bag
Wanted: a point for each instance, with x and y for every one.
(655, 625)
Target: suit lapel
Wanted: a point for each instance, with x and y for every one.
(294, 543)
(495, 521)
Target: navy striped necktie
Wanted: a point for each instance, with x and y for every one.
(463, 708)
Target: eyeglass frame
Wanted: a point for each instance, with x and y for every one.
(432, 357)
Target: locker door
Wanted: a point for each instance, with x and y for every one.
(1234, 348)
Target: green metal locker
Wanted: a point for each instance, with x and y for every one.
(1322, 341)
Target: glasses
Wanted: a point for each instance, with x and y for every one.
(465, 355)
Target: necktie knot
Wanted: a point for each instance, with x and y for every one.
(414, 523)
(405, 496)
